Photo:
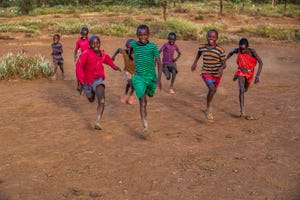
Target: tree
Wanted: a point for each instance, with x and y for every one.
(221, 7)
(26, 6)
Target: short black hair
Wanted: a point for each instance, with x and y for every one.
(142, 26)
(91, 39)
(84, 29)
(244, 41)
(171, 34)
(213, 30)
(56, 35)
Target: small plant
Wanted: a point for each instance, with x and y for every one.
(24, 67)
(199, 17)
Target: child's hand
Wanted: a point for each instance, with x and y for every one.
(193, 68)
(116, 68)
(256, 80)
(220, 70)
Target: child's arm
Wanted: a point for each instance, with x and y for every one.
(116, 53)
(159, 72)
(260, 65)
(76, 50)
(234, 51)
(178, 55)
(109, 61)
(194, 66)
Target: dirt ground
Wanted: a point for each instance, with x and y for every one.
(49, 149)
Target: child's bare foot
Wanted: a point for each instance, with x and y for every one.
(247, 117)
(131, 99)
(123, 98)
(171, 91)
(209, 115)
(146, 133)
(98, 126)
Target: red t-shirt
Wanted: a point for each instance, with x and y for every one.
(89, 66)
(82, 44)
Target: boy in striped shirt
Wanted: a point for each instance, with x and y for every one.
(212, 68)
(145, 80)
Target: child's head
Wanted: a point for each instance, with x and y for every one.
(143, 33)
(172, 38)
(94, 43)
(84, 32)
(243, 44)
(56, 38)
(212, 37)
(127, 44)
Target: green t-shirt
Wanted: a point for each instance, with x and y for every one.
(144, 58)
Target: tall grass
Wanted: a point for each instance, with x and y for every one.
(272, 32)
(21, 66)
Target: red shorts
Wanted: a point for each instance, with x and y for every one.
(210, 78)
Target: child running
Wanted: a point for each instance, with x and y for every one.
(81, 44)
(168, 60)
(247, 59)
(57, 58)
(145, 80)
(212, 68)
(128, 72)
(90, 74)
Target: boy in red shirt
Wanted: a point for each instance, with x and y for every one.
(90, 74)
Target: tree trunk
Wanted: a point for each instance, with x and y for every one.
(284, 11)
(221, 7)
(164, 5)
(273, 2)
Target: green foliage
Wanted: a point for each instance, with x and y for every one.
(272, 32)
(24, 67)
(26, 6)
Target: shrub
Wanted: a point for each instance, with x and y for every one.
(24, 67)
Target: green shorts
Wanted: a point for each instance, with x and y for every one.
(144, 85)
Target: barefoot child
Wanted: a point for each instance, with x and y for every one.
(90, 74)
(82, 44)
(145, 80)
(247, 59)
(212, 68)
(57, 58)
(168, 60)
(128, 72)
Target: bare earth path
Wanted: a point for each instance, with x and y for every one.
(49, 150)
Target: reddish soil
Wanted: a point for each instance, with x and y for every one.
(49, 149)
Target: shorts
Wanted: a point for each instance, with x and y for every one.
(90, 90)
(210, 78)
(144, 85)
(247, 73)
(169, 68)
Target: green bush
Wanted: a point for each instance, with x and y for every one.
(271, 32)
(24, 67)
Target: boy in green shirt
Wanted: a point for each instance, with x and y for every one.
(145, 80)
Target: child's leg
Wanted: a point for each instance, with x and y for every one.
(54, 69)
(100, 93)
(173, 73)
(61, 66)
(211, 92)
(166, 72)
(131, 92)
(242, 89)
(143, 111)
